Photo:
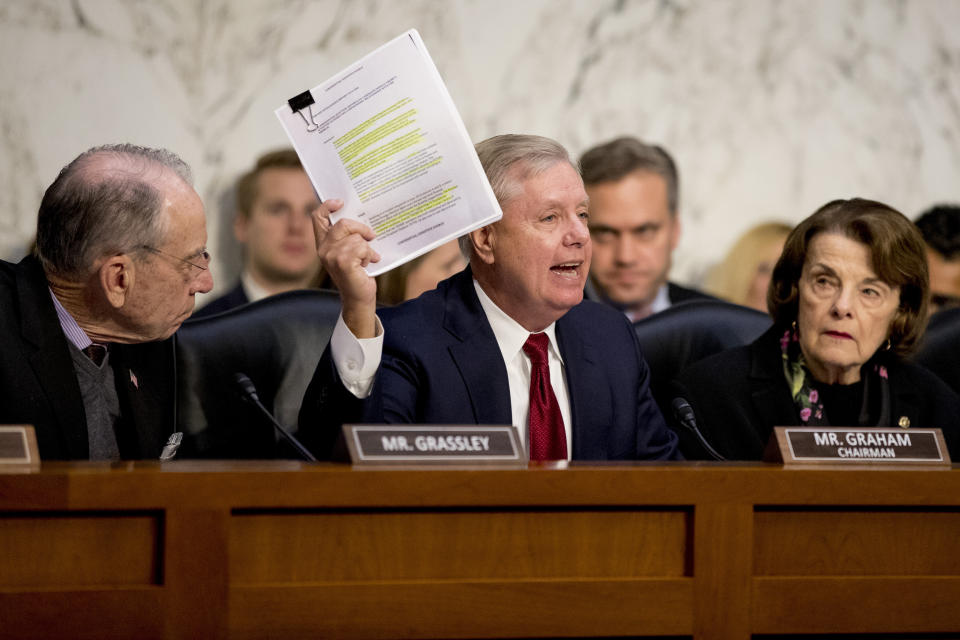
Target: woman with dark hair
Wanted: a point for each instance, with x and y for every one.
(849, 299)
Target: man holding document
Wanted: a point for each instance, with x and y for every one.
(509, 340)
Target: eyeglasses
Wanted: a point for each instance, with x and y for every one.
(204, 255)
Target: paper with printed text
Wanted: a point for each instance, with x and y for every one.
(384, 136)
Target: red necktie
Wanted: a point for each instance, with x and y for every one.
(548, 439)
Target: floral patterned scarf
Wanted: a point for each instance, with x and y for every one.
(806, 397)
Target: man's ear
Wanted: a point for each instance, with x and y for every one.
(241, 224)
(116, 276)
(675, 233)
(483, 240)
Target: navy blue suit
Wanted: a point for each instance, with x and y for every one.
(441, 364)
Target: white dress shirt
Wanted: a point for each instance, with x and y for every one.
(661, 302)
(251, 289)
(357, 361)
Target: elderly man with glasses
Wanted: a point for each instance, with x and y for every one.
(86, 323)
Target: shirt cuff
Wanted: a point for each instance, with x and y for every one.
(356, 360)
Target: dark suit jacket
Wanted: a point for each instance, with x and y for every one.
(38, 384)
(675, 293)
(678, 294)
(940, 349)
(441, 364)
(739, 395)
(234, 298)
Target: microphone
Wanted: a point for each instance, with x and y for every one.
(683, 412)
(249, 393)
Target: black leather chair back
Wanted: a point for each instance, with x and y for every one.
(940, 349)
(687, 332)
(277, 343)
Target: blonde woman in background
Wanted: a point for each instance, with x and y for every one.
(421, 274)
(744, 274)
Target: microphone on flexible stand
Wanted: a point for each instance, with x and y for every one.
(683, 412)
(249, 393)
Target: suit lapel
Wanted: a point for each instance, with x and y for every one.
(143, 378)
(476, 353)
(584, 381)
(770, 397)
(50, 361)
(906, 400)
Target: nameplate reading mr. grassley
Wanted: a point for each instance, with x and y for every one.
(443, 444)
(913, 446)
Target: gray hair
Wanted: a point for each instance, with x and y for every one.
(499, 155)
(614, 160)
(92, 210)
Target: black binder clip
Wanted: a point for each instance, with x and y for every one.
(301, 101)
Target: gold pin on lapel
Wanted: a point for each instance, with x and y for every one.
(904, 422)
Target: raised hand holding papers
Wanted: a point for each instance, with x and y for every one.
(384, 136)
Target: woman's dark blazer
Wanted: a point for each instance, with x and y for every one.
(739, 395)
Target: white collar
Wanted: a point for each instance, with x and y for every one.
(251, 289)
(661, 302)
(510, 335)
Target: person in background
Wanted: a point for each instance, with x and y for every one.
(634, 200)
(86, 354)
(274, 201)
(848, 299)
(508, 340)
(421, 274)
(743, 276)
(940, 228)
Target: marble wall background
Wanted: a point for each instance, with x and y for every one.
(770, 107)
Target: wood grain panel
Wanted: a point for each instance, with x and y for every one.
(721, 566)
(290, 547)
(195, 573)
(286, 550)
(44, 550)
(520, 609)
(863, 543)
(861, 605)
(117, 613)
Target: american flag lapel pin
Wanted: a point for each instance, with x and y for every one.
(134, 381)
